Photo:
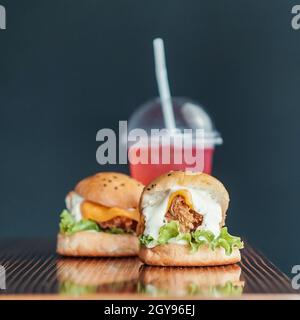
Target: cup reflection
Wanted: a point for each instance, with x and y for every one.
(91, 276)
(224, 281)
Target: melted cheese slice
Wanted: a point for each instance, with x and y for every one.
(98, 213)
(185, 194)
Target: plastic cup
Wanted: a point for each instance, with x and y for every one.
(188, 115)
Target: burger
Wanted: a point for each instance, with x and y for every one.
(101, 217)
(221, 281)
(183, 222)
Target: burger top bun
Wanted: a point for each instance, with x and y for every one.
(111, 189)
(186, 179)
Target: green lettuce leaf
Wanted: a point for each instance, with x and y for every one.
(147, 241)
(232, 241)
(168, 231)
(115, 231)
(66, 221)
(68, 225)
(189, 239)
(203, 236)
(194, 239)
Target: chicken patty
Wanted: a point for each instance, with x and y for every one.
(189, 220)
(128, 225)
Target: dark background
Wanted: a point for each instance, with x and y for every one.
(69, 68)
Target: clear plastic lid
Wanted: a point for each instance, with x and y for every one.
(188, 115)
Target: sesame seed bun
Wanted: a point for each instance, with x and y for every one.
(186, 179)
(111, 189)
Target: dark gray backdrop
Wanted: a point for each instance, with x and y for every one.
(69, 68)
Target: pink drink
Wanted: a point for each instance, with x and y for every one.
(188, 115)
(145, 173)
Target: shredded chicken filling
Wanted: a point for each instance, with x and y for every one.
(189, 220)
(128, 225)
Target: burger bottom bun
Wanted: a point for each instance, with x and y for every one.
(177, 255)
(97, 244)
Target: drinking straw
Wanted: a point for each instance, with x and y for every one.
(163, 84)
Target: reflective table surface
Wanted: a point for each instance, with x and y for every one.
(31, 269)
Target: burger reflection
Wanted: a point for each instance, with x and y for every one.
(180, 282)
(79, 277)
